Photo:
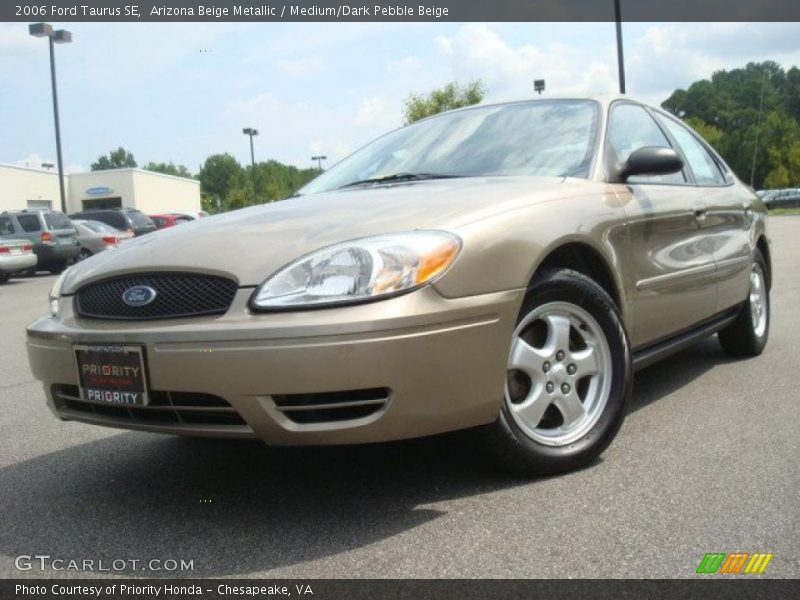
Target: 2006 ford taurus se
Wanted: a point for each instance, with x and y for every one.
(502, 267)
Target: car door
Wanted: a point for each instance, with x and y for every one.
(729, 218)
(668, 268)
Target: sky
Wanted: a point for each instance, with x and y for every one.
(180, 92)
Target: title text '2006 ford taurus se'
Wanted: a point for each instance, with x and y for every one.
(505, 267)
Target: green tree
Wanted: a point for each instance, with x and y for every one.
(751, 116)
(219, 174)
(276, 181)
(116, 159)
(453, 95)
(169, 169)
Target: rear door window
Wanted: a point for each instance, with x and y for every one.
(705, 168)
(29, 223)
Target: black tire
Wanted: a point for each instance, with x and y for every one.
(4, 277)
(57, 267)
(740, 338)
(515, 450)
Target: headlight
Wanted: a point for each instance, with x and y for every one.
(364, 269)
(55, 294)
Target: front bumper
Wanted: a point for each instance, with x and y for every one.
(436, 365)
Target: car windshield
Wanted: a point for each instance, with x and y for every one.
(99, 227)
(541, 137)
(57, 220)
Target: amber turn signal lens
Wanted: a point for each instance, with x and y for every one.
(436, 260)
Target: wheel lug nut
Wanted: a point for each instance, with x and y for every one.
(565, 388)
(550, 387)
(560, 355)
(571, 368)
(546, 367)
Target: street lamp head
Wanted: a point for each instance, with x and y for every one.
(250, 131)
(40, 29)
(319, 158)
(62, 36)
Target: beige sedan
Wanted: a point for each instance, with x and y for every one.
(502, 267)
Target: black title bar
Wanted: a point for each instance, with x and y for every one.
(403, 589)
(398, 10)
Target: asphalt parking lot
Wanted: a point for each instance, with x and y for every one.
(707, 461)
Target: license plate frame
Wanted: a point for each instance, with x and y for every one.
(119, 376)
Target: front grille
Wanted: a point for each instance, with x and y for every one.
(177, 295)
(168, 408)
(331, 407)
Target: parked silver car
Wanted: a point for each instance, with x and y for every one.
(94, 237)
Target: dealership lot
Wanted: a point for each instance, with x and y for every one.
(706, 462)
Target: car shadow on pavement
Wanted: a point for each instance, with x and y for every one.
(671, 374)
(234, 507)
(239, 507)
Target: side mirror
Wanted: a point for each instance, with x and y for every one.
(648, 160)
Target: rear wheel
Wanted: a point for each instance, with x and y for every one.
(747, 335)
(84, 254)
(568, 379)
(56, 267)
(4, 277)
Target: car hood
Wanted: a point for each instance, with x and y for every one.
(252, 243)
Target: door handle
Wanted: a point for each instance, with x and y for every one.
(700, 213)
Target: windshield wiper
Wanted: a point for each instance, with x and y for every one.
(400, 177)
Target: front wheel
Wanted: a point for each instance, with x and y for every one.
(568, 379)
(747, 335)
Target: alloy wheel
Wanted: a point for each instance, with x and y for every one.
(559, 373)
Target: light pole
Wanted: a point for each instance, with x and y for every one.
(252, 132)
(319, 160)
(620, 55)
(60, 36)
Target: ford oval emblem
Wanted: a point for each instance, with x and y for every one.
(140, 295)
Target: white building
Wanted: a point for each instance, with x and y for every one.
(148, 191)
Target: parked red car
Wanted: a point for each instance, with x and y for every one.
(170, 219)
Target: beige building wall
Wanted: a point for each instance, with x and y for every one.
(152, 193)
(21, 188)
(118, 181)
(157, 193)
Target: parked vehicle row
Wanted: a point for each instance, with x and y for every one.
(49, 240)
(50, 233)
(786, 198)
